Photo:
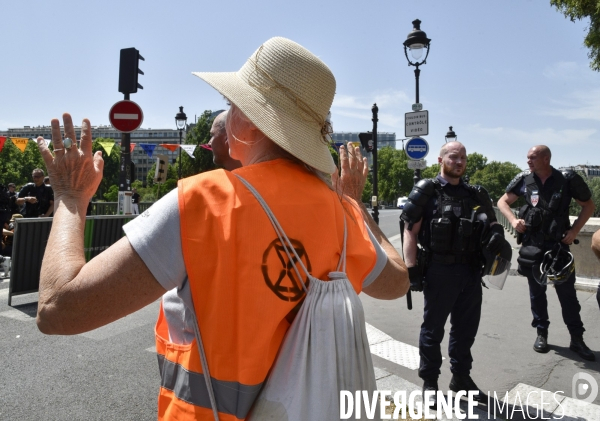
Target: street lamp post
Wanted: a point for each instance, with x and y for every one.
(375, 212)
(451, 136)
(181, 120)
(416, 41)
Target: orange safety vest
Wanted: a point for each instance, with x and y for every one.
(243, 287)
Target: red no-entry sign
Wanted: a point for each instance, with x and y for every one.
(126, 116)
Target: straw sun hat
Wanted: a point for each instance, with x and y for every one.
(286, 91)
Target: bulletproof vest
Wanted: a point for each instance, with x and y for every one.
(455, 227)
(546, 218)
(4, 199)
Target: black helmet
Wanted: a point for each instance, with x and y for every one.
(497, 265)
(557, 266)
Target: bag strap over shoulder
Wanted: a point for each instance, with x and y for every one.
(286, 243)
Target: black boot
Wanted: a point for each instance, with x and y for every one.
(541, 343)
(430, 384)
(581, 348)
(465, 382)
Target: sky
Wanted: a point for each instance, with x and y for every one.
(507, 75)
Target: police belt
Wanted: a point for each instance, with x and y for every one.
(450, 259)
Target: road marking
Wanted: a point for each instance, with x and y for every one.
(384, 346)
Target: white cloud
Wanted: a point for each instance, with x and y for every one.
(580, 105)
(563, 70)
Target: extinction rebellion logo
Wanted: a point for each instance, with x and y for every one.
(279, 273)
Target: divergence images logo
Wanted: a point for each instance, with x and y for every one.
(279, 273)
(585, 387)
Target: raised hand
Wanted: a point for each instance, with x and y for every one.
(74, 171)
(354, 170)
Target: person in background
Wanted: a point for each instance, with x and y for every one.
(37, 197)
(544, 226)
(219, 144)
(135, 202)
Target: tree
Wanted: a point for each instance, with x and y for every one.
(494, 177)
(475, 162)
(110, 176)
(581, 9)
(199, 135)
(594, 185)
(16, 166)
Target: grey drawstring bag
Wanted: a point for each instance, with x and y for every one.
(325, 350)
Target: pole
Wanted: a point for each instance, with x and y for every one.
(125, 171)
(375, 212)
(417, 172)
(180, 134)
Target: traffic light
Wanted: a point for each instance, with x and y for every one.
(366, 140)
(128, 71)
(160, 174)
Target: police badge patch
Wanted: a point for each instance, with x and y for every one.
(457, 211)
(535, 197)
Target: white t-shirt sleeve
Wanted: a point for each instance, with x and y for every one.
(156, 237)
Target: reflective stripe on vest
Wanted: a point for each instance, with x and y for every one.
(232, 398)
(242, 289)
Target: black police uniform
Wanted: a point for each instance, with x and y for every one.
(44, 195)
(450, 237)
(546, 216)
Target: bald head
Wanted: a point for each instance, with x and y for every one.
(220, 146)
(542, 150)
(451, 146)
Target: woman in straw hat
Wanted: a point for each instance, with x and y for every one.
(234, 279)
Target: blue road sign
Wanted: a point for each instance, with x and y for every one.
(417, 148)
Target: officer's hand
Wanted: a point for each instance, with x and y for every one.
(494, 244)
(415, 275)
(569, 236)
(519, 225)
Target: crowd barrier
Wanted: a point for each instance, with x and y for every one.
(110, 208)
(31, 237)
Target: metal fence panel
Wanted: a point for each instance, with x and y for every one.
(31, 237)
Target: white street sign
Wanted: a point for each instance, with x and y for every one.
(420, 164)
(416, 124)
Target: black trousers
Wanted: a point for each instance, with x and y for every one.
(451, 290)
(568, 302)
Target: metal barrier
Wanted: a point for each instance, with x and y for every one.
(31, 237)
(110, 208)
(502, 220)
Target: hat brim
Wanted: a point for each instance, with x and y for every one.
(290, 131)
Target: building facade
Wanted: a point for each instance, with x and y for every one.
(590, 171)
(139, 157)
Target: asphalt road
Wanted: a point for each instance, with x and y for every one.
(111, 373)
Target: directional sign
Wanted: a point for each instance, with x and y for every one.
(417, 148)
(416, 124)
(126, 116)
(419, 164)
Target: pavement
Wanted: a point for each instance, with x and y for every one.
(522, 401)
(111, 372)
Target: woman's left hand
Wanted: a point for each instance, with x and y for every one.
(354, 170)
(75, 173)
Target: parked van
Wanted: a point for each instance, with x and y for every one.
(401, 202)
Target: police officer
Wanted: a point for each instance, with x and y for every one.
(596, 250)
(543, 223)
(452, 222)
(37, 197)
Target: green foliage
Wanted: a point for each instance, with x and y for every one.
(199, 135)
(475, 162)
(594, 185)
(494, 177)
(112, 194)
(582, 9)
(110, 176)
(16, 166)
